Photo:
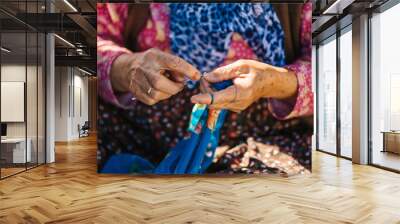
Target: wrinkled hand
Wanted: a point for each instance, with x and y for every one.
(252, 80)
(151, 76)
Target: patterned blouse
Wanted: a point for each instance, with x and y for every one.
(156, 34)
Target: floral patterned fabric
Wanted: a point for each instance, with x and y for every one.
(151, 131)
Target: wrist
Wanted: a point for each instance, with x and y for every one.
(279, 84)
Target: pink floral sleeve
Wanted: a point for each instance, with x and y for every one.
(110, 25)
(302, 105)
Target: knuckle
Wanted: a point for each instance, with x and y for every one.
(165, 96)
(152, 51)
(245, 67)
(152, 54)
(176, 61)
(178, 89)
(157, 95)
(175, 91)
(241, 62)
(151, 102)
(156, 83)
(241, 66)
(148, 53)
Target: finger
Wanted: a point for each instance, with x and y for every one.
(175, 76)
(146, 89)
(160, 82)
(227, 106)
(136, 88)
(220, 97)
(227, 72)
(202, 89)
(144, 98)
(177, 64)
(224, 96)
(158, 95)
(140, 81)
(205, 87)
(235, 108)
(204, 98)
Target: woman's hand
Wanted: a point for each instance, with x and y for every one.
(252, 80)
(151, 76)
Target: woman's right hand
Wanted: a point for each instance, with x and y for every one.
(152, 75)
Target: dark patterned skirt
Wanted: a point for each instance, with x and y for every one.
(252, 141)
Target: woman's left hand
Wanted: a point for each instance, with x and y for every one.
(252, 80)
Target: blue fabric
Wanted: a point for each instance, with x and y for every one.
(200, 33)
(194, 154)
(127, 163)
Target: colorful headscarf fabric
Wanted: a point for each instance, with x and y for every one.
(201, 34)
